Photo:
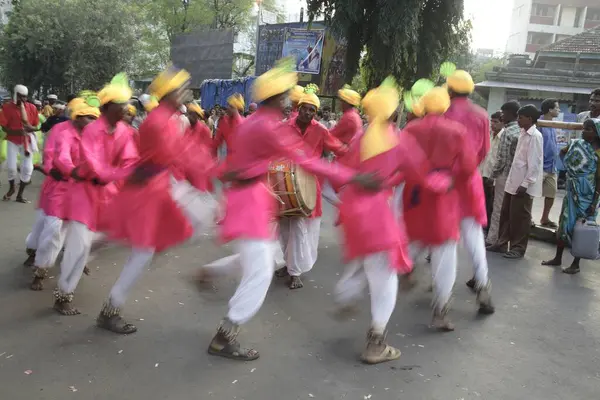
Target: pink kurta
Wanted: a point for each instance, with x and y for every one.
(225, 131)
(144, 215)
(199, 137)
(349, 125)
(105, 157)
(433, 218)
(53, 193)
(318, 140)
(477, 141)
(251, 208)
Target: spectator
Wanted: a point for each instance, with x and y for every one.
(550, 110)
(487, 167)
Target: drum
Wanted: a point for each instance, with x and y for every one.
(295, 189)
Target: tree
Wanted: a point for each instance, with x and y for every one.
(79, 47)
(406, 38)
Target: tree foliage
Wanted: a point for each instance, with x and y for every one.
(406, 38)
(65, 45)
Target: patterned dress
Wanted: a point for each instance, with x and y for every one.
(581, 163)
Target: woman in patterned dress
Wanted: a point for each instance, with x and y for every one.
(582, 162)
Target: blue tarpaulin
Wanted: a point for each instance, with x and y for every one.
(217, 91)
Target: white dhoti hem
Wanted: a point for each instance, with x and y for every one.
(199, 207)
(300, 243)
(77, 249)
(12, 152)
(375, 271)
(254, 260)
(443, 271)
(32, 240)
(50, 242)
(472, 236)
(132, 270)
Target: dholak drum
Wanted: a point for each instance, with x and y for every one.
(295, 189)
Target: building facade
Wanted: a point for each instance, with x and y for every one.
(538, 23)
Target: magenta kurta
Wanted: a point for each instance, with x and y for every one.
(250, 208)
(477, 142)
(433, 218)
(105, 157)
(144, 215)
(54, 193)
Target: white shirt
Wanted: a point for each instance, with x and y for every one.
(487, 166)
(527, 168)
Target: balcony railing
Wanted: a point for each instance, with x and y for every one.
(534, 19)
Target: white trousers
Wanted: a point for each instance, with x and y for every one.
(132, 270)
(300, 243)
(200, 208)
(254, 259)
(443, 270)
(32, 240)
(46, 238)
(375, 271)
(12, 151)
(473, 239)
(77, 250)
(329, 194)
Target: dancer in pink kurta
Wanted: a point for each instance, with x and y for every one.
(56, 190)
(251, 208)
(471, 192)
(432, 219)
(107, 154)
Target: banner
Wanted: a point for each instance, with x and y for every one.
(306, 46)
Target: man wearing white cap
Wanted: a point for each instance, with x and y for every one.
(20, 119)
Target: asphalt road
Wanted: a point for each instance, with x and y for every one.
(542, 343)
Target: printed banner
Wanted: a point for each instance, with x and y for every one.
(306, 46)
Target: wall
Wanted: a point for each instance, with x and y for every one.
(567, 18)
(519, 23)
(496, 99)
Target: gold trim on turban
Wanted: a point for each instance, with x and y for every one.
(461, 81)
(236, 100)
(275, 81)
(349, 96)
(168, 81)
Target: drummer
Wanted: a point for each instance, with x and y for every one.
(300, 235)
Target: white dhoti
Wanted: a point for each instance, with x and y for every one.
(329, 194)
(50, 242)
(32, 240)
(443, 270)
(254, 260)
(492, 236)
(12, 153)
(199, 207)
(375, 271)
(300, 243)
(473, 239)
(77, 250)
(132, 270)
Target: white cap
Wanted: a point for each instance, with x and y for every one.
(183, 109)
(145, 99)
(37, 102)
(58, 106)
(52, 97)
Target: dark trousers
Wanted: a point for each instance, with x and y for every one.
(515, 222)
(488, 190)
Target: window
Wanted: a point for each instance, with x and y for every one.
(593, 14)
(578, 15)
(542, 10)
(539, 38)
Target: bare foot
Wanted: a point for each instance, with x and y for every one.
(66, 308)
(555, 262)
(296, 283)
(37, 284)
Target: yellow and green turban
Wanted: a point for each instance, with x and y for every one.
(85, 106)
(461, 82)
(195, 107)
(296, 93)
(349, 96)
(310, 96)
(279, 79)
(379, 104)
(236, 100)
(168, 81)
(117, 91)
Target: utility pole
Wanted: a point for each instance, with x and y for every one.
(186, 5)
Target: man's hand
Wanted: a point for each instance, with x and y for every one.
(56, 175)
(367, 181)
(521, 191)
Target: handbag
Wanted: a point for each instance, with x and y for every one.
(586, 240)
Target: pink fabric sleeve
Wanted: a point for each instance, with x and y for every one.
(333, 144)
(93, 167)
(63, 161)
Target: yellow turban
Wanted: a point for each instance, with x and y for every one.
(349, 96)
(436, 101)
(81, 107)
(117, 91)
(296, 93)
(310, 98)
(131, 110)
(379, 105)
(277, 80)
(236, 100)
(461, 82)
(195, 107)
(167, 81)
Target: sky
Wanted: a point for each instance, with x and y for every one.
(491, 20)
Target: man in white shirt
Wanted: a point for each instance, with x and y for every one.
(524, 182)
(487, 166)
